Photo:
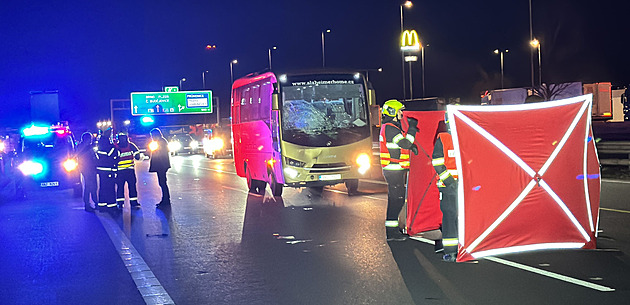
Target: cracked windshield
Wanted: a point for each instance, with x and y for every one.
(323, 113)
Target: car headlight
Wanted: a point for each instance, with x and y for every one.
(216, 143)
(2, 146)
(295, 163)
(153, 146)
(174, 146)
(70, 165)
(31, 168)
(194, 144)
(364, 162)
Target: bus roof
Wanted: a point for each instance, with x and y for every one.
(251, 78)
(254, 77)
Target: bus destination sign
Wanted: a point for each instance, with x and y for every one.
(181, 102)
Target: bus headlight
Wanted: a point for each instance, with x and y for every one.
(174, 146)
(290, 172)
(70, 165)
(364, 162)
(295, 163)
(194, 144)
(31, 168)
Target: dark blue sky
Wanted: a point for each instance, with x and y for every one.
(96, 51)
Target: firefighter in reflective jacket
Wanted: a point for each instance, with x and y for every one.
(106, 166)
(446, 168)
(128, 151)
(395, 145)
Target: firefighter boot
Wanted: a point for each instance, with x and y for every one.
(394, 234)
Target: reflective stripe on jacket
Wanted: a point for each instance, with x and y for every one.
(444, 159)
(394, 157)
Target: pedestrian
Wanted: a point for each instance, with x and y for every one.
(443, 161)
(395, 144)
(106, 166)
(86, 156)
(160, 163)
(126, 173)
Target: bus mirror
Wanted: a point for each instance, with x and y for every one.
(371, 97)
(275, 104)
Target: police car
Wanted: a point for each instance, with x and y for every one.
(46, 159)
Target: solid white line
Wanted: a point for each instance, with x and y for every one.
(550, 274)
(534, 270)
(615, 181)
(149, 286)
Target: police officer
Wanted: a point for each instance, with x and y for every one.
(87, 166)
(395, 145)
(160, 163)
(106, 166)
(446, 168)
(128, 151)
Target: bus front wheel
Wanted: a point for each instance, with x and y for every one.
(352, 185)
(276, 188)
(254, 186)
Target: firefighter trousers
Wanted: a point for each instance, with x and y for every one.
(448, 206)
(396, 191)
(127, 176)
(107, 189)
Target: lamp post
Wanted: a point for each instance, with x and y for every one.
(367, 72)
(536, 45)
(407, 4)
(422, 63)
(531, 38)
(496, 51)
(323, 48)
(203, 79)
(180, 83)
(233, 62)
(272, 48)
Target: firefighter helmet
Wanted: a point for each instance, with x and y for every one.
(392, 107)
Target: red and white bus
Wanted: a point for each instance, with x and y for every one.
(302, 130)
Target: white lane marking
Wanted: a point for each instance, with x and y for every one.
(238, 190)
(149, 286)
(534, 270)
(614, 210)
(615, 181)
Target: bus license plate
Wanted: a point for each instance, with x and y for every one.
(48, 184)
(330, 177)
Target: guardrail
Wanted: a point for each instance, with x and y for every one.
(610, 151)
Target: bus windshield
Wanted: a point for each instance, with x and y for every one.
(329, 110)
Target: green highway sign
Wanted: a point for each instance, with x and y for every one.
(171, 89)
(182, 102)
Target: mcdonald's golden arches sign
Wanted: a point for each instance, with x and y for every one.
(410, 41)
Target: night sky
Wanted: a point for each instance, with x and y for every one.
(96, 51)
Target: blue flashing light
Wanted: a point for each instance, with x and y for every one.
(34, 130)
(147, 120)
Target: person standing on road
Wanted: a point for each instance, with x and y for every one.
(106, 166)
(160, 163)
(446, 168)
(126, 173)
(395, 145)
(87, 166)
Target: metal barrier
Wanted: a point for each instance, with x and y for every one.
(615, 148)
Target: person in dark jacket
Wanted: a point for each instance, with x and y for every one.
(160, 163)
(86, 156)
(106, 167)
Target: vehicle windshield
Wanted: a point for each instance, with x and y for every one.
(324, 110)
(51, 145)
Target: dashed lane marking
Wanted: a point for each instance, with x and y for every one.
(149, 286)
(535, 270)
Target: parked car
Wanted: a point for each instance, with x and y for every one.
(183, 143)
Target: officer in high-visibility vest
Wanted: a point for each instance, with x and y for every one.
(446, 168)
(106, 167)
(128, 151)
(395, 145)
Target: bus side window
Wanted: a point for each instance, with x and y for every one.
(236, 115)
(265, 101)
(245, 107)
(254, 103)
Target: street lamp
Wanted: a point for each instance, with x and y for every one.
(233, 62)
(323, 49)
(180, 83)
(496, 51)
(367, 72)
(203, 78)
(536, 44)
(272, 48)
(407, 4)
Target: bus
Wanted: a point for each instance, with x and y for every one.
(302, 130)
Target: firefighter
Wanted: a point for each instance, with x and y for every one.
(106, 166)
(395, 145)
(446, 168)
(159, 164)
(128, 151)
(87, 166)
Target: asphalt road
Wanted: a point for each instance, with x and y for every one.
(218, 244)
